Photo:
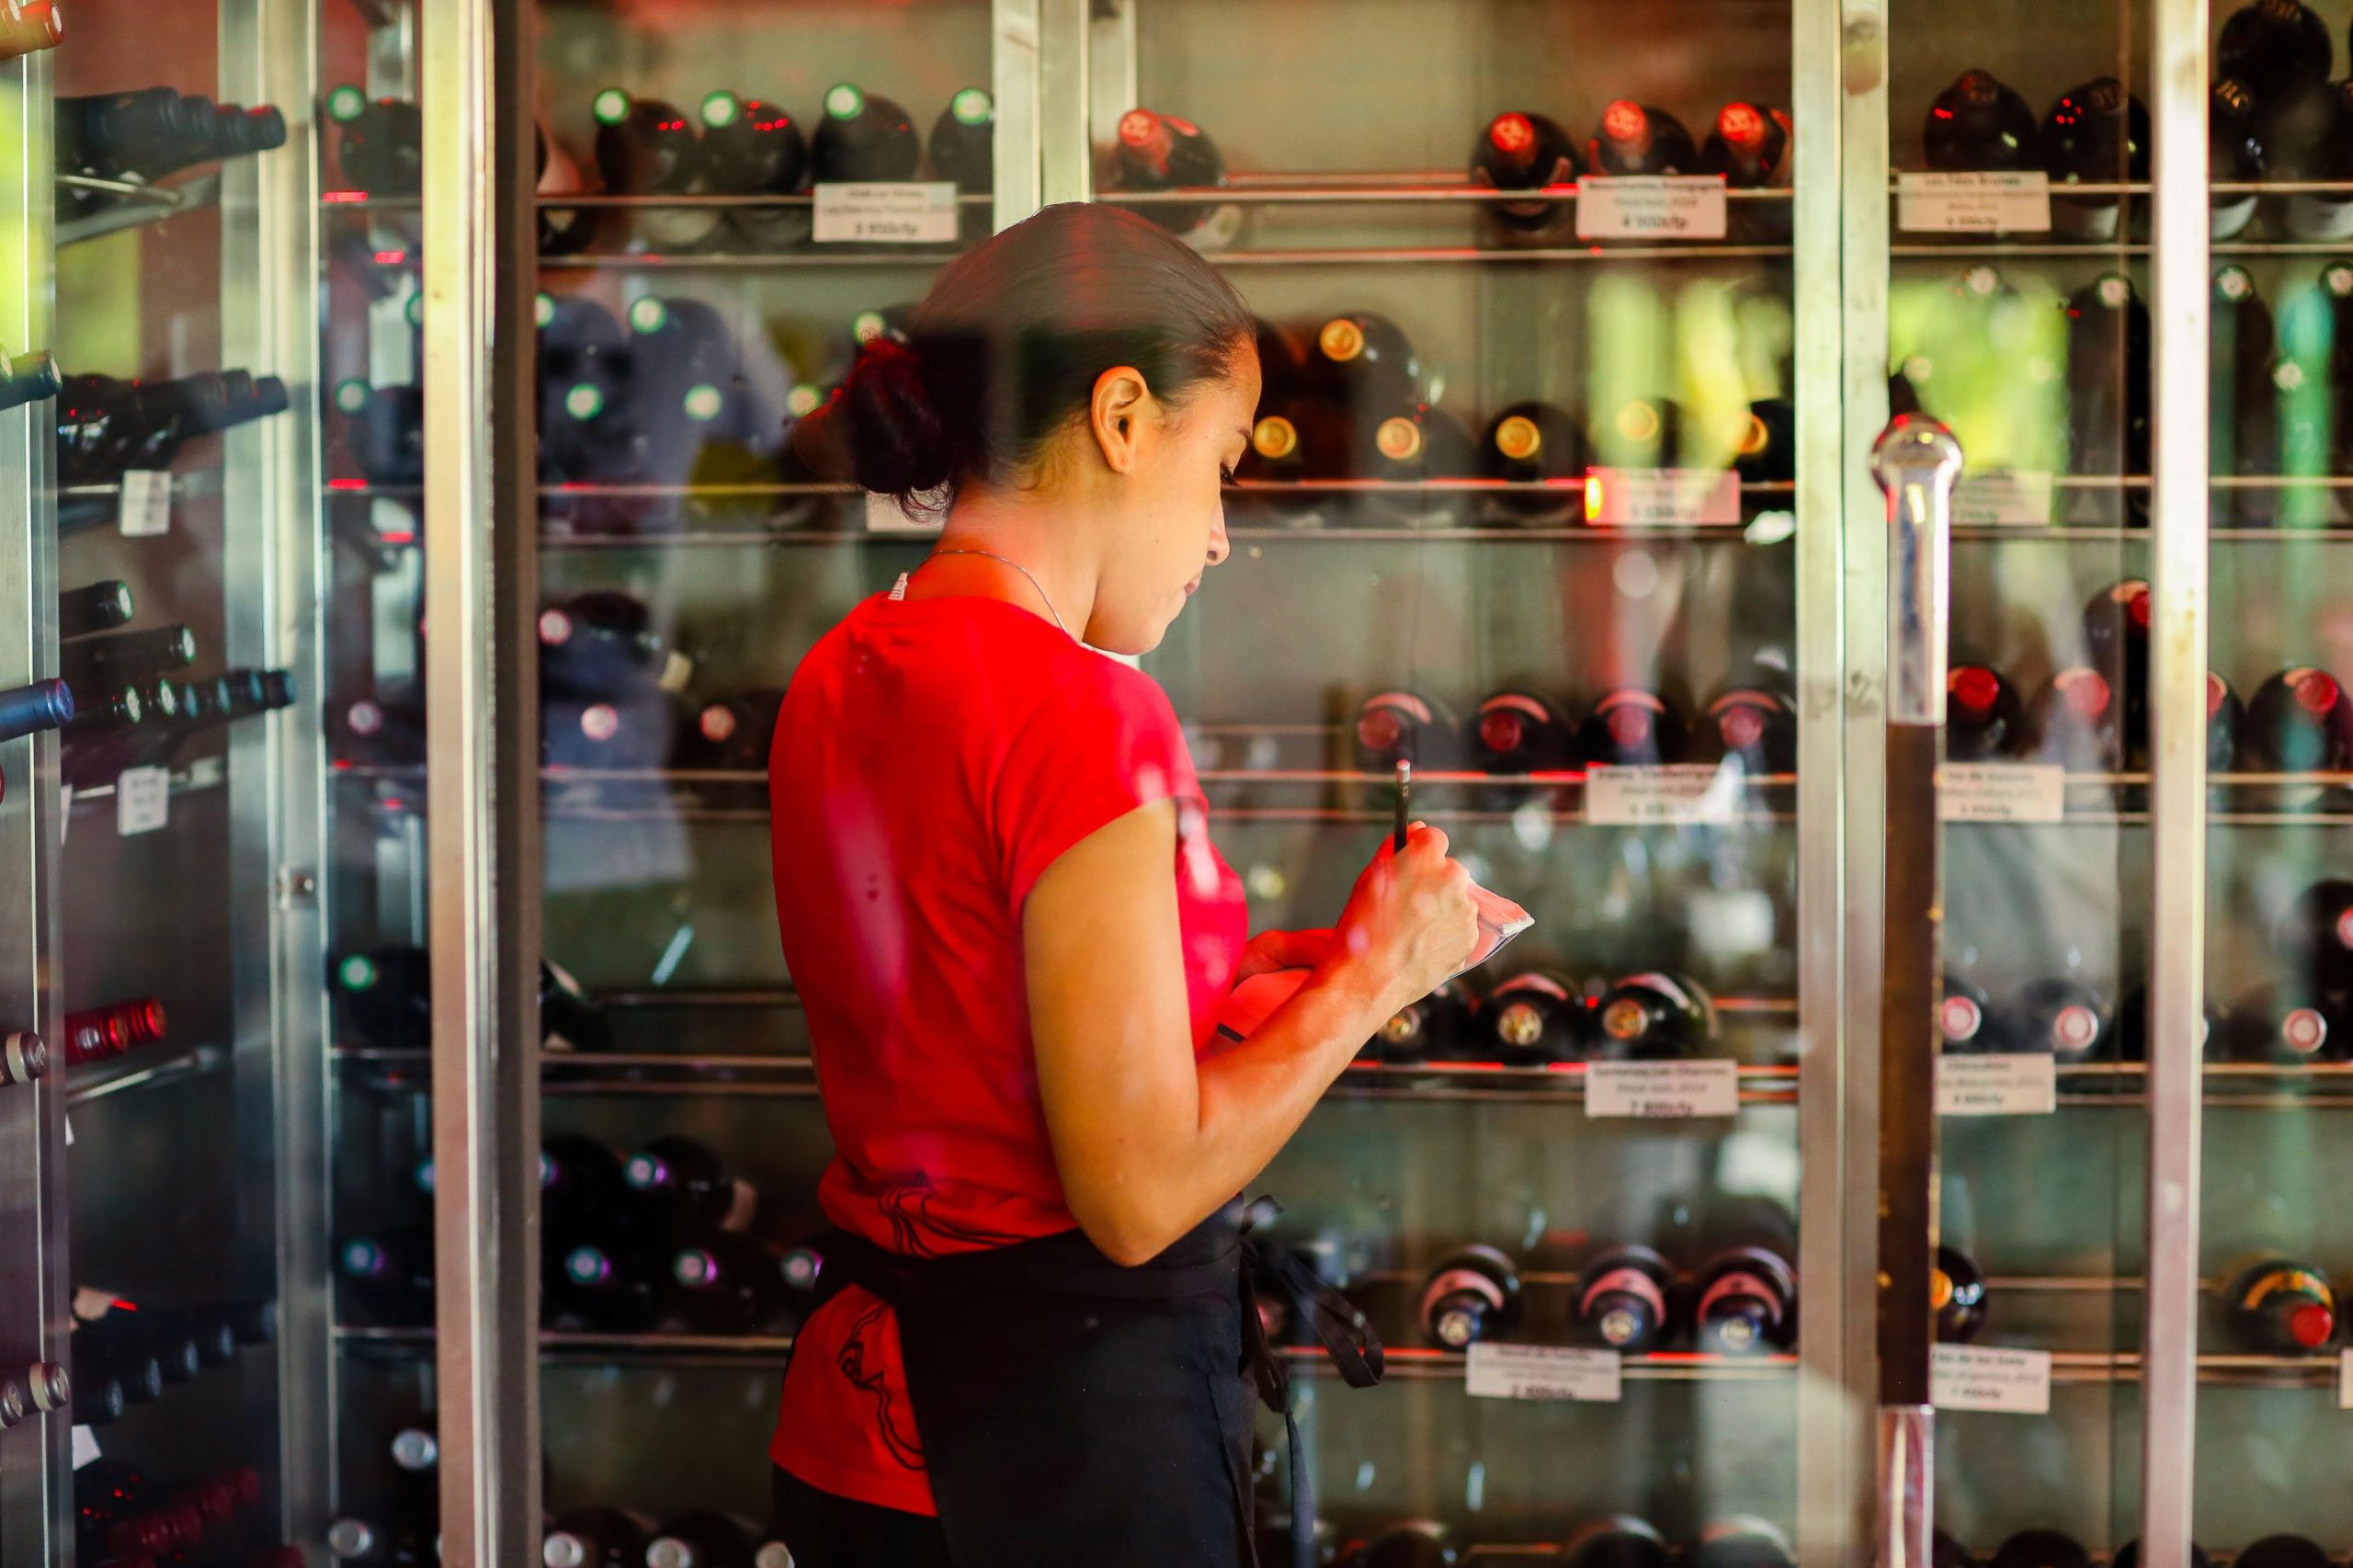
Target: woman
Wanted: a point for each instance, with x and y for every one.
(1012, 935)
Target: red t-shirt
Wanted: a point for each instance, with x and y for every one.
(932, 758)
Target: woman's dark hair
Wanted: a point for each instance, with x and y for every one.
(1005, 349)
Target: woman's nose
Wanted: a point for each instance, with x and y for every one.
(1219, 546)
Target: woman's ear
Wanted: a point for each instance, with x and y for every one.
(1121, 405)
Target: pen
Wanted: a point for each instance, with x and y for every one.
(1405, 794)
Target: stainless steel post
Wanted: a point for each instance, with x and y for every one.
(1015, 83)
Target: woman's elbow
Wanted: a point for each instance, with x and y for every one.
(1128, 1234)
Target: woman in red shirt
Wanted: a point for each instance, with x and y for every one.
(1002, 910)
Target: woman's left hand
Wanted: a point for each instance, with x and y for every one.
(1270, 950)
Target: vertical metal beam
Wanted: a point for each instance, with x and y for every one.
(1015, 82)
(270, 557)
(1861, 134)
(35, 1485)
(2177, 805)
(1111, 87)
(1832, 1434)
(480, 772)
(1062, 101)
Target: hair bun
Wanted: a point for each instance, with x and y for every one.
(890, 429)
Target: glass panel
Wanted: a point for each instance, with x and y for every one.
(2280, 743)
(2016, 316)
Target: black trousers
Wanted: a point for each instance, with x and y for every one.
(828, 1531)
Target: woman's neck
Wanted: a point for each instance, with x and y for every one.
(1030, 529)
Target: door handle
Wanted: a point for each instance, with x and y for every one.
(1916, 461)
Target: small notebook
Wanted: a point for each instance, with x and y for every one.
(1499, 920)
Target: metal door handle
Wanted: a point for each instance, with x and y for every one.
(1916, 461)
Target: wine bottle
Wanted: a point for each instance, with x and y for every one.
(2064, 1017)
(732, 735)
(1636, 138)
(962, 148)
(1424, 1030)
(863, 137)
(24, 1056)
(1472, 1296)
(2115, 641)
(603, 643)
(629, 732)
(128, 1372)
(1981, 714)
(27, 709)
(1753, 147)
(1746, 1303)
(27, 26)
(1524, 152)
(2314, 939)
(29, 378)
(2075, 723)
(2282, 1552)
(2274, 47)
(1622, 1298)
(1741, 1544)
(2243, 418)
(1979, 124)
(597, 1538)
(2095, 134)
(1616, 1541)
(581, 1188)
(600, 1285)
(2298, 721)
(1536, 1018)
(728, 1283)
(388, 996)
(1514, 731)
(1408, 449)
(1632, 727)
(380, 146)
(2284, 1025)
(1402, 726)
(1536, 443)
(1751, 720)
(1364, 362)
(127, 657)
(387, 1280)
(96, 607)
(384, 431)
(703, 1538)
(647, 147)
(1299, 441)
(684, 1184)
(2108, 379)
(93, 1034)
(410, 1540)
(1160, 152)
(2234, 155)
(1768, 452)
(2278, 1306)
(1957, 1295)
(2129, 1556)
(1656, 1017)
(753, 148)
(2310, 136)
(1417, 1543)
(2216, 1029)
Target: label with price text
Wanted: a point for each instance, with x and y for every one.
(1661, 497)
(1650, 207)
(1677, 792)
(1543, 1372)
(142, 800)
(2002, 791)
(908, 212)
(2006, 498)
(1973, 1377)
(146, 503)
(2000, 1084)
(1973, 203)
(1662, 1091)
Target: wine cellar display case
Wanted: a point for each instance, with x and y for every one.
(1841, 502)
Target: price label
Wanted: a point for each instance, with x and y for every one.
(85, 1447)
(1650, 207)
(1678, 792)
(142, 800)
(2345, 1380)
(2012, 498)
(1662, 1091)
(2002, 791)
(1543, 1372)
(1971, 1377)
(1661, 497)
(146, 503)
(910, 212)
(1997, 1086)
(885, 516)
(1973, 203)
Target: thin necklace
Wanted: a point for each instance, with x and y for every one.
(900, 591)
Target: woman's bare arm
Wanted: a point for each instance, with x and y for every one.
(1147, 1141)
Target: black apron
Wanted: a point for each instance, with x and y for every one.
(1077, 1414)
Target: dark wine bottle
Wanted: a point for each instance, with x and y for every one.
(1473, 1295)
(1741, 1544)
(582, 1186)
(2282, 1552)
(1516, 731)
(2279, 1306)
(2234, 155)
(2076, 725)
(2242, 414)
(1364, 362)
(1957, 1295)
(1524, 152)
(734, 734)
(1981, 714)
(92, 1034)
(2095, 134)
(385, 431)
(387, 1280)
(2108, 379)
(29, 378)
(380, 146)
(96, 607)
(728, 1283)
(1753, 147)
(1536, 443)
(1301, 440)
(1636, 138)
(2309, 135)
(2314, 939)
(703, 1538)
(1535, 1020)
(2216, 1029)
(1632, 727)
(1656, 1017)
(127, 657)
(2274, 47)
(684, 1183)
(27, 709)
(388, 996)
(1160, 152)
(1411, 448)
(1768, 452)
(602, 1284)
(2129, 1556)
(2298, 721)
(647, 147)
(1615, 1540)
(1403, 726)
(753, 148)
(863, 137)
(2064, 1017)
(1429, 1029)
(1623, 1295)
(1979, 124)
(1752, 720)
(597, 1538)
(24, 1056)
(630, 732)
(603, 643)
(1417, 1543)
(1746, 1302)
(963, 142)
(2285, 1025)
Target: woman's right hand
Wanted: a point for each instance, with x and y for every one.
(1411, 921)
